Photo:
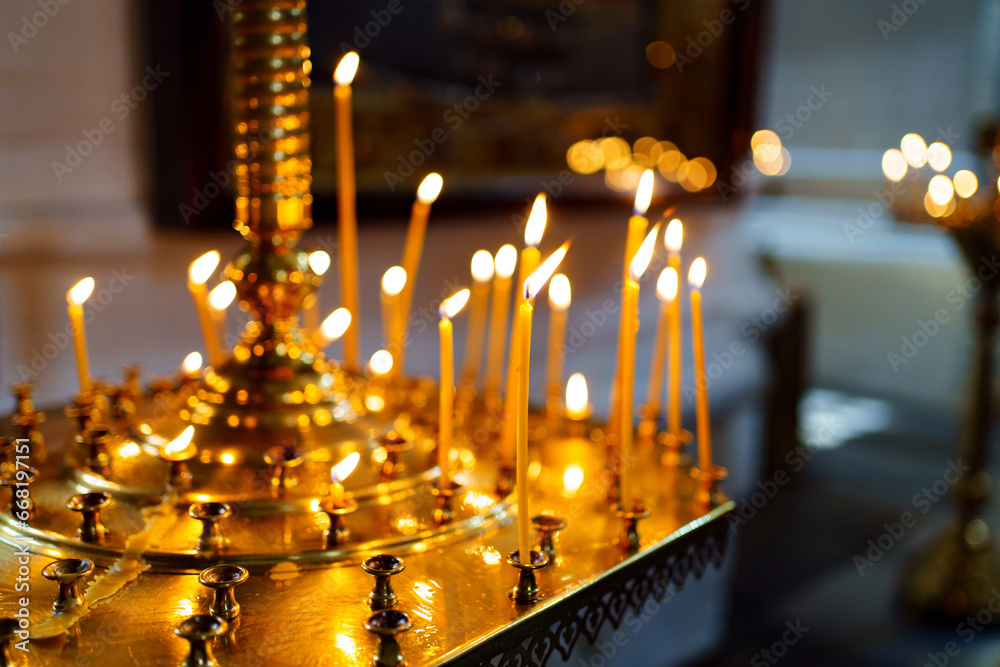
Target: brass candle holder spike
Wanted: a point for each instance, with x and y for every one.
(20, 508)
(223, 580)
(629, 539)
(27, 420)
(444, 491)
(394, 445)
(199, 631)
(89, 505)
(68, 573)
(338, 532)
(708, 494)
(526, 589)
(506, 478)
(386, 625)
(283, 460)
(81, 410)
(97, 460)
(8, 626)
(122, 408)
(675, 456)
(383, 567)
(210, 514)
(547, 526)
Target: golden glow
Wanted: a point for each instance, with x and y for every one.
(933, 209)
(430, 188)
(192, 363)
(129, 450)
(660, 54)
(535, 228)
(228, 458)
(966, 184)
(346, 69)
(381, 362)
(560, 294)
(201, 269)
(941, 189)
(572, 480)
(536, 281)
(453, 305)
(576, 396)
(81, 291)
(319, 261)
(643, 255)
(673, 237)
(697, 273)
(336, 323)
(534, 470)
(222, 295)
(894, 165)
(340, 472)
(393, 281)
(482, 266)
(667, 284)
(585, 157)
(180, 443)
(914, 150)
(644, 193)
(491, 556)
(506, 261)
(938, 156)
(616, 152)
(764, 138)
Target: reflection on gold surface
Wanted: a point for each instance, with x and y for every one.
(572, 479)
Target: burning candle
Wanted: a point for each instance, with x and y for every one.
(198, 274)
(560, 297)
(696, 278)
(532, 286)
(505, 262)
(75, 298)
(446, 405)
(393, 282)
(666, 292)
(319, 262)
(427, 194)
(577, 405)
(218, 300)
(630, 320)
(482, 274)
(191, 366)
(332, 328)
(673, 238)
(381, 363)
(339, 473)
(347, 227)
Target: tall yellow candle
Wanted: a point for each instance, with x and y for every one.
(532, 285)
(75, 298)
(393, 283)
(347, 223)
(666, 292)
(427, 194)
(446, 405)
(218, 301)
(198, 274)
(319, 262)
(505, 263)
(560, 296)
(696, 278)
(482, 274)
(338, 474)
(673, 238)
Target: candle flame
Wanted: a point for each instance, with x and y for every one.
(536, 281)
(222, 295)
(482, 266)
(381, 362)
(666, 285)
(346, 69)
(180, 443)
(506, 261)
(201, 269)
(81, 291)
(644, 193)
(451, 306)
(560, 294)
(430, 188)
(536, 222)
(192, 363)
(319, 261)
(572, 480)
(335, 324)
(339, 472)
(576, 395)
(673, 238)
(697, 273)
(640, 262)
(394, 280)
